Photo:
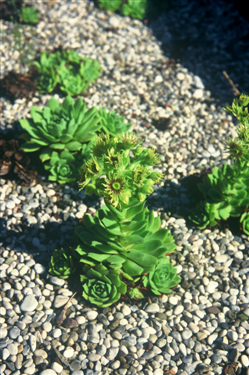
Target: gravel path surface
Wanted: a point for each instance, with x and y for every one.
(202, 326)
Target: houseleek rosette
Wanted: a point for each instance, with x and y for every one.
(62, 263)
(244, 220)
(112, 123)
(163, 278)
(101, 286)
(63, 167)
(59, 127)
(72, 72)
(226, 194)
(128, 240)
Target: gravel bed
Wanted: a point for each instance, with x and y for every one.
(201, 326)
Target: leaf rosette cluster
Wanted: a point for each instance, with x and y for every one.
(72, 73)
(163, 279)
(111, 123)
(29, 15)
(59, 127)
(225, 190)
(124, 239)
(134, 9)
(129, 240)
(101, 286)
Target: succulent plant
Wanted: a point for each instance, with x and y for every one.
(163, 278)
(126, 175)
(112, 5)
(226, 194)
(64, 167)
(135, 9)
(61, 264)
(29, 15)
(101, 286)
(244, 220)
(112, 123)
(72, 73)
(127, 240)
(135, 293)
(226, 189)
(204, 214)
(59, 127)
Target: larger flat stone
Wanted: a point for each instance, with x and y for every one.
(29, 303)
(60, 301)
(48, 372)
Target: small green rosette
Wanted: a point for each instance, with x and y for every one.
(163, 278)
(62, 264)
(244, 220)
(101, 286)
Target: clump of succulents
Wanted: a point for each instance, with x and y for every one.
(124, 239)
(64, 132)
(135, 9)
(59, 127)
(226, 189)
(72, 73)
(112, 123)
(29, 15)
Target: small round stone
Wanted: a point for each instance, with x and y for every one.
(152, 308)
(39, 268)
(244, 360)
(91, 315)
(68, 353)
(173, 300)
(29, 303)
(232, 335)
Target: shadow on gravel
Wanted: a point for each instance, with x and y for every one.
(208, 37)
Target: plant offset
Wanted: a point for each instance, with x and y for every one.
(123, 246)
(63, 134)
(67, 70)
(226, 189)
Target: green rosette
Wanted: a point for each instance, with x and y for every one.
(62, 264)
(163, 278)
(101, 286)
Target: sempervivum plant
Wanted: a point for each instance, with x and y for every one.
(72, 73)
(226, 194)
(226, 189)
(129, 240)
(62, 264)
(124, 240)
(59, 127)
(163, 278)
(101, 286)
(64, 166)
(112, 123)
(244, 220)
